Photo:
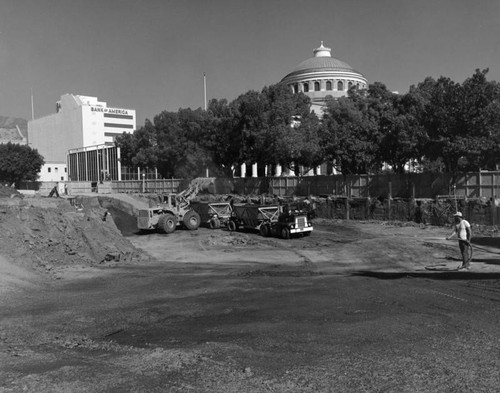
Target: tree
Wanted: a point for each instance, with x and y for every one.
(140, 149)
(250, 124)
(183, 143)
(293, 129)
(304, 143)
(126, 143)
(19, 163)
(481, 118)
(264, 122)
(462, 122)
(402, 132)
(224, 138)
(350, 134)
(445, 132)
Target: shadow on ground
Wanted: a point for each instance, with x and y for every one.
(433, 275)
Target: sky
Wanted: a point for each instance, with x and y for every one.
(150, 55)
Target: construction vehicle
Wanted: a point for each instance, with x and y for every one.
(273, 220)
(175, 210)
(213, 214)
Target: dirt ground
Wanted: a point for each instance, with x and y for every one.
(90, 305)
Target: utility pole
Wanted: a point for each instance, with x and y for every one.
(205, 89)
(205, 97)
(32, 106)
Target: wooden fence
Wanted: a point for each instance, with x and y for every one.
(429, 211)
(389, 197)
(163, 186)
(412, 185)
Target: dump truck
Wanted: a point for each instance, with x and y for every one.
(270, 220)
(213, 214)
(175, 210)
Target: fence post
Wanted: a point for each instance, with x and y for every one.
(480, 184)
(411, 206)
(493, 210)
(347, 208)
(389, 199)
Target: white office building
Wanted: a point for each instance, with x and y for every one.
(79, 121)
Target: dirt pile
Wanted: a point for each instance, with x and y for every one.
(9, 192)
(49, 234)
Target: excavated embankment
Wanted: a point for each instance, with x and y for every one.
(48, 234)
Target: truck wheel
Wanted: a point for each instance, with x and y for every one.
(191, 220)
(231, 225)
(167, 223)
(285, 233)
(214, 223)
(264, 230)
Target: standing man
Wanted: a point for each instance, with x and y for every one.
(463, 232)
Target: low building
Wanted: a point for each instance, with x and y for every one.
(94, 163)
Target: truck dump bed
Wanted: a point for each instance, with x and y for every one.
(253, 215)
(207, 210)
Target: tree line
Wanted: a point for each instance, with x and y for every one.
(439, 125)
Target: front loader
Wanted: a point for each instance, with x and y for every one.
(168, 215)
(174, 210)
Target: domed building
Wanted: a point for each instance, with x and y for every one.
(323, 76)
(318, 77)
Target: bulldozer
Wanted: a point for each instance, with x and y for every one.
(174, 210)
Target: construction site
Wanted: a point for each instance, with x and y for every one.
(204, 291)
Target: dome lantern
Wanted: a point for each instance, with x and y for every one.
(322, 51)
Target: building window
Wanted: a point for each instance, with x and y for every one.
(316, 86)
(306, 87)
(49, 169)
(349, 85)
(65, 170)
(328, 85)
(340, 86)
(295, 88)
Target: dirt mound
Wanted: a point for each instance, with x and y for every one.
(51, 233)
(9, 192)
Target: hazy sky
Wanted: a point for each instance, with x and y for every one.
(150, 55)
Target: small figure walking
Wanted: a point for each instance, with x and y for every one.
(463, 232)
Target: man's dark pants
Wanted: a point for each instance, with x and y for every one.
(465, 255)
